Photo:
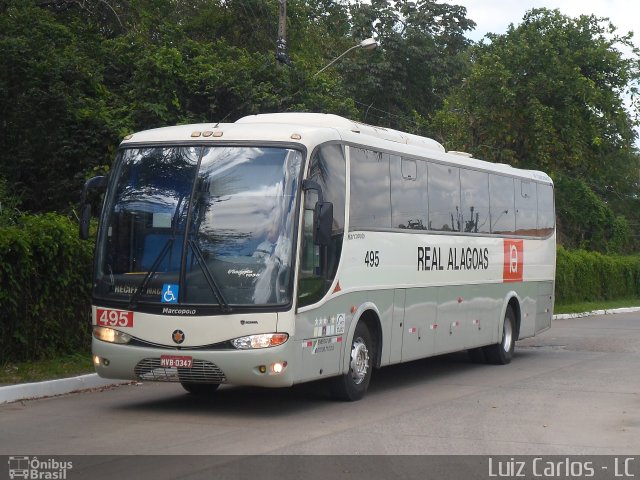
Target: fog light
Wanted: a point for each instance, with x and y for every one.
(105, 362)
(278, 367)
(262, 369)
(96, 360)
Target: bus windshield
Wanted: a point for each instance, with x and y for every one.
(199, 226)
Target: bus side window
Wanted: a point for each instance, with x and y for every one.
(409, 200)
(526, 208)
(546, 222)
(319, 264)
(475, 201)
(501, 198)
(370, 207)
(444, 198)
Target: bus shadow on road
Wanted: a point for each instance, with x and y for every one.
(233, 400)
(262, 402)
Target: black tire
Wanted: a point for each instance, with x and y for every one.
(501, 353)
(476, 355)
(353, 385)
(200, 389)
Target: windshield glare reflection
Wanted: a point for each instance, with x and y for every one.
(210, 225)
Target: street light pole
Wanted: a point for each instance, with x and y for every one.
(366, 44)
(281, 44)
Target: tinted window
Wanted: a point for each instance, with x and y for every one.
(370, 202)
(327, 168)
(243, 226)
(149, 207)
(444, 198)
(545, 210)
(526, 208)
(503, 217)
(220, 233)
(409, 199)
(475, 201)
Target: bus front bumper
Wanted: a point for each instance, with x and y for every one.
(267, 367)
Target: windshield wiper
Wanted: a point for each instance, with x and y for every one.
(156, 263)
(211, 281)
(147, 278)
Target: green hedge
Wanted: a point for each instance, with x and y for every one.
(45, 284)
(583, 276)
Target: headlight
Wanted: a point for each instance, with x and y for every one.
(264, 340)
(110, 335)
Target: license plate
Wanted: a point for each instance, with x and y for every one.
(175, 361)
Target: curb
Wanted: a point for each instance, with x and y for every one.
(564, 316)
(50, 388)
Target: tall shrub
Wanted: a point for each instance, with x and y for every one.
(44, 288)
(583, 276)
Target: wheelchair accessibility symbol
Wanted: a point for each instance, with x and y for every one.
(170, 293)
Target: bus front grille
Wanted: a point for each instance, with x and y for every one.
(149, 369)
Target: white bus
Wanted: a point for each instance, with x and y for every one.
(292, 247)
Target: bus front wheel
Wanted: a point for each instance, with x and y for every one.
(501, 353)
(353, 385)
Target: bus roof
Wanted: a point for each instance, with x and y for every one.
(311, 129)
(334, 121)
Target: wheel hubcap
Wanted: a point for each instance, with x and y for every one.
(507, 336)
(359, 361)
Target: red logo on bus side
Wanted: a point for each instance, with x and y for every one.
(513, 260)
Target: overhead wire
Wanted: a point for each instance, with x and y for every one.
(387, 114)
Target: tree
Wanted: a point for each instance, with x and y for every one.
(550, 95)
(586, 221)
(75, 77)
(8, 205)
(402, 83)
(50, 105)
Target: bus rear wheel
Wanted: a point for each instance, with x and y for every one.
(501, 353)
(200, 389)
(354, 384)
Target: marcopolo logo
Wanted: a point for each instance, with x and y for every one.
(178, 336)
(38, 469)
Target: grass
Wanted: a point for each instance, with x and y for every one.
(34, 371)
(580, 307)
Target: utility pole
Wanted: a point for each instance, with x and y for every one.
(281, 44)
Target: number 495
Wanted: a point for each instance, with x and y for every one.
(114, 318)
(372, 258)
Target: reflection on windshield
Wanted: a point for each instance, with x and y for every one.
(238, 203)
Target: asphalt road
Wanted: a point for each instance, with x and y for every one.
(573, 390)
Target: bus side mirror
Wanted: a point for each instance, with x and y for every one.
(322, 223)
(322, 215)
(85, 220)
(95, 183)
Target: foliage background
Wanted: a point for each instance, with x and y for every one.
(583, 276)
(554, 93)
(45, 273)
